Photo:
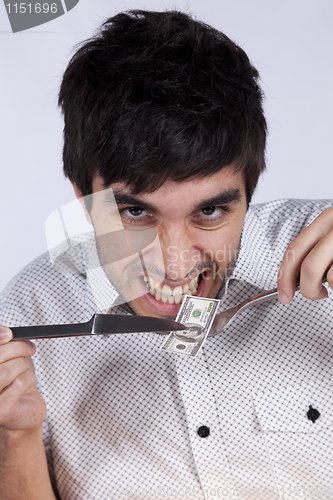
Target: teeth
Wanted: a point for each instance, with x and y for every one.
(177, 291)
(193, 284)
(166, 294)
(166, 290)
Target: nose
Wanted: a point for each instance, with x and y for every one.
(179, 250)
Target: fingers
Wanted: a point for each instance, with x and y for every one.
(21, 383)
(306, 259)
(5, 334)
(21, 406)
(314, 266)
(12, 369)
(17, 376)
(17, 349)
(15, 362)
(12, 394)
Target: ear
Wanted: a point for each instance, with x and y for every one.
(80, 197)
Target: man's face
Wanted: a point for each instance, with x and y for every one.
(198, 222)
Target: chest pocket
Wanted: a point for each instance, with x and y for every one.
(295, 409)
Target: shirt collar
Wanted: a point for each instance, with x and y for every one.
(256, 263)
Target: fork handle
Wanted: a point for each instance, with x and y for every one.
(270, 294)
(221, 320)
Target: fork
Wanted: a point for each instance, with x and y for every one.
(226, 317)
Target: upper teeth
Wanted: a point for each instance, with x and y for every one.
(166, 294)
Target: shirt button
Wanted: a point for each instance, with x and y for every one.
(313, 414)
(203, 431)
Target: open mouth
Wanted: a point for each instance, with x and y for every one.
(172, 295)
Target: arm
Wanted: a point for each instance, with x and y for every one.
(307, 257)
(24, 474)
(23, 468)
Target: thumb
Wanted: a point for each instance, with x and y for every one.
(5, 334)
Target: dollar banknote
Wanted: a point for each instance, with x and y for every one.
(197, 314)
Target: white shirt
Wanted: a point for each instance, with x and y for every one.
(122, 416)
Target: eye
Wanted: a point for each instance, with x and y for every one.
(137, 216)
(135, 212)
(211, 211)
(210, 217)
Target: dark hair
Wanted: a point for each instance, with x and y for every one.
(156, 96)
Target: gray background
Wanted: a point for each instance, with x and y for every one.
(289, 41)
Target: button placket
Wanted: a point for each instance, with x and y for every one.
(203, 423)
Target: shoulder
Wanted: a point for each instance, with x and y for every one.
(39, 294)
(279, 222)
(289, 211)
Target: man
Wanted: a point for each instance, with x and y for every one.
(167, 113)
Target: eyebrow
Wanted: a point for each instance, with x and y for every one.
(123, 198)
(225, 197)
